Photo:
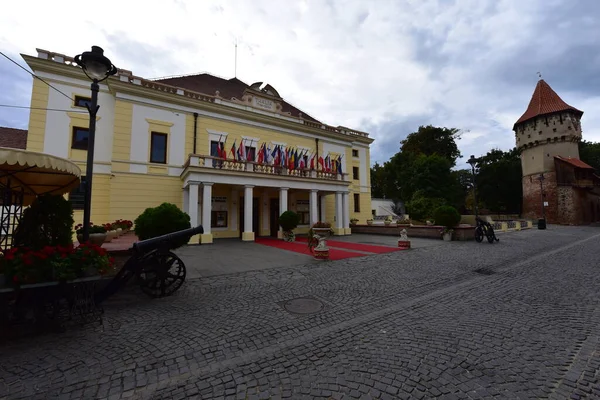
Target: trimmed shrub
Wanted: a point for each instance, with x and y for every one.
(158, 221)
(446, 216)
(422, 208)
(47, 222)
(289, 220)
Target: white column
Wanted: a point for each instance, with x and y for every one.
(283, 200)
(323, 208)
(339, 213)
(346, 205)
(193, 203)
(206, 207)
(313, 212)
(283, 207)
(248, 234)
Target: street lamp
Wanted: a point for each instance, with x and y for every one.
(473, 162)
(96, 67)
(542, 222)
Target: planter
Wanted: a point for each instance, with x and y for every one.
(321, 251)
(404, 244)
(97, 238)
(447, 237)
(119, 232)
(110, 235)
(322, 254)
(289, 236)
(387, 223)
(369, 222)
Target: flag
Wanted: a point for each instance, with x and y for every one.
(261, 154)
(340, 165)
(296, 159)
(312, 162)
(322, 163)
(302, 164)
(233, 152)
(282, 157)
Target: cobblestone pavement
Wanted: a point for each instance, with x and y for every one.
(413, 324)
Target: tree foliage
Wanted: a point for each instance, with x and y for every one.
(158, 221)
(589, 153)
(446, 216)
(430, 140)
(378, 181)
(499, 181)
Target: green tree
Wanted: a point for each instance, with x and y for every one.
(499, 181)
(430, 140)
(589, 153)
(379, 181)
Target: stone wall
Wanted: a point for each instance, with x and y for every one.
(532, 201)
(421, 231)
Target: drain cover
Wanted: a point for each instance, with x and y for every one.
(484, 271)
(303, 305)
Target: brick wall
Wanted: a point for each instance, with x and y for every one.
(532, 201)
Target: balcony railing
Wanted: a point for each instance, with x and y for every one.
(202, 161)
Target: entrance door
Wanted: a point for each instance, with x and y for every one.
(255, 216)
(274, 217)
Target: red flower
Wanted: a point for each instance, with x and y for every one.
(27, 260)
(15, 279)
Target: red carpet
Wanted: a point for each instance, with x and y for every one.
(302, 248)
(369, 248)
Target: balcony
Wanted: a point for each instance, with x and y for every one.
(208, 163)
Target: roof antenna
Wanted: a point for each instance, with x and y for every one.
(539, 74)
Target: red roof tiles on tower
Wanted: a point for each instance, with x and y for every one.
(545, 101)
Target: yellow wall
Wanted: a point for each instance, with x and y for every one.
(37, 118)
(122, 135)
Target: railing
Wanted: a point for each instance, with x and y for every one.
(127, 76)
(202, 161)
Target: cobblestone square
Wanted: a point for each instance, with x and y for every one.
(516, 319)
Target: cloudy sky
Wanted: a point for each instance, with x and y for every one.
(381, 66)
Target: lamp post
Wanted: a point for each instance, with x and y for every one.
(542, 222)
(473, 161)
(96, 67)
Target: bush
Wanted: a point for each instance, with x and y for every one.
(158, 221)
(47, 222)
(289, 220)
(446, 216)
(422, 208)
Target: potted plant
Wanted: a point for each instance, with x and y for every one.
(448, 217)
(369, 222)
(97, 233)
(387, 221)
(317, 236)
(110, 233)
(161, 220)
(353, 221)
(288, 221)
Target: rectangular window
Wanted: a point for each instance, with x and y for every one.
(214, 145)
(158, 148)
(80, 138)
(77, 195)
(356, 202)
(354, 153)
(250, 153)
(81, 101)
(218, 219)
(304, 218)
(355, 173)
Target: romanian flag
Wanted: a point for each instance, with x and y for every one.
(261, 154)
(233, 152)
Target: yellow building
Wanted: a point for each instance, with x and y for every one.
(160, 140)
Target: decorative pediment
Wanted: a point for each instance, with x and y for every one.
(262, 97)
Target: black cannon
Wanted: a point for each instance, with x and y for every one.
(484, 228)
(158, 270)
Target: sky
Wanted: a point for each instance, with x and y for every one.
(384, 67)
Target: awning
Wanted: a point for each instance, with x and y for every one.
(35, 174)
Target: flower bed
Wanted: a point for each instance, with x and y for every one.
(23, 265)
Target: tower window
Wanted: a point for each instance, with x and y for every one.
(553, 129)
(540, 132)
(529, 136)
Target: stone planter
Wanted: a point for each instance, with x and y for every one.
(119, 232)
(289, 236)
(447, 237)
(387, 223)
(369, 222)
(110, 235)
(95, 238)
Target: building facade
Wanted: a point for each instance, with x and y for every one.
(556, 183)
(233, 156)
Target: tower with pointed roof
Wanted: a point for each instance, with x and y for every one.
(548, 135)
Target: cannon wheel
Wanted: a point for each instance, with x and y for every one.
(162, 274)
(479, 234)
(490, 234)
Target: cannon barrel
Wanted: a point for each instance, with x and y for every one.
(145, 246)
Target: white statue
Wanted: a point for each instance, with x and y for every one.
(403, 235)
(321, 245)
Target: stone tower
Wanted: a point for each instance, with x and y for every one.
(550, 127)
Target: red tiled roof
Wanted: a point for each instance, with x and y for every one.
(577, 163)
(12, 137)
(228, 88)
(545, 101)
